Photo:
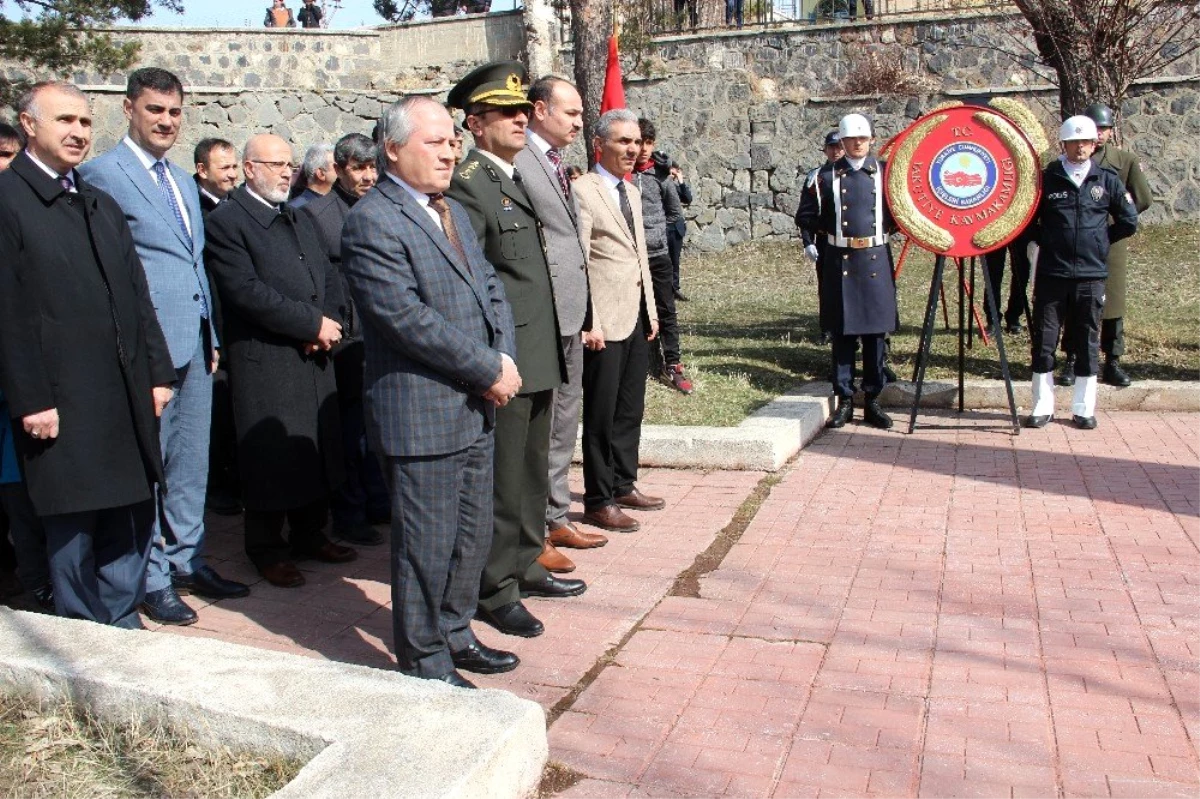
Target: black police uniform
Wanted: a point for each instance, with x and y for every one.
(1073, 233)
(846, 208)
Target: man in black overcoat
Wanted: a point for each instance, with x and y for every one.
(283, 308)
(83, 363)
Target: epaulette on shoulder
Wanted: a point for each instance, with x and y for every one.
(467, 170)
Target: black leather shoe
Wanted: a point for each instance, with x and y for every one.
(512, 619)
(889, 373)
(482, 659)
(44, 597)
(455, 679)
(874, 415)
(1084, 422)
(1067, 376)
(1037, 421)
(165, 607)
(207, 583)
(360, 534)
(1013, 328)
(553, 587)
(844, 413)
(1114, 375)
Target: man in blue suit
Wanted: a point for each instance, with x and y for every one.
(162, 206)
(440, 354)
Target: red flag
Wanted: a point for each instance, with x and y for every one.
(614, 92)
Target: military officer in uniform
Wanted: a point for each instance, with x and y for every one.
(1072, 229)
(814, 245)
(845, 207)
(487, 184)
(1112, 328)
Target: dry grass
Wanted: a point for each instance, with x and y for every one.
(62, 751)
(750, 331)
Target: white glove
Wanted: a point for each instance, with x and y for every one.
(1032, 252)
(811, 252)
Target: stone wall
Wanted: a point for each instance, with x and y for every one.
(743, 111)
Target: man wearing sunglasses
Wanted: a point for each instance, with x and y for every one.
(509, 233)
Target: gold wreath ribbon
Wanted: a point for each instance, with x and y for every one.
(1024, 193)
(922, 228)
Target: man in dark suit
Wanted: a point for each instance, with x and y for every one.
(83, 363)
(363, 499)
(282, 310)
(163, 210)
(440, 346)
(555, 121)
(503, 219)
(217, 174)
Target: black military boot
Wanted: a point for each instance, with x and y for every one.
(874, 415)
(1113, 374)
(843, 414)
(1066, 377)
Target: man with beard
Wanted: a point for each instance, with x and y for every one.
(283, 309)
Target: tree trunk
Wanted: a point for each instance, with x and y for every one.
(591, 25)
(541, 39)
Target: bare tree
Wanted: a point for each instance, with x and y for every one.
(591, 25)
(1098, 48)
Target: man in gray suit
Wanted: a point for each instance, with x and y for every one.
(162, 207)
(440, 354)
(554, 122)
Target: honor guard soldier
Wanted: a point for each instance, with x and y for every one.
(1112, 328)
(1073, 232)
(815, 244)
(845, 207)
(503, 218)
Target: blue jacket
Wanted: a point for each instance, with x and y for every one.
(10, 469)
(1072, 223)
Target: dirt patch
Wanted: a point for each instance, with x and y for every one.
(556, 778)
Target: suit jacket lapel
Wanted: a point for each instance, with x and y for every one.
(619, 218)
(149, 189)
(413, 210)
(548, 170)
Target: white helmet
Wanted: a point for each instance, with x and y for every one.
(854, 125)
(1078, 128)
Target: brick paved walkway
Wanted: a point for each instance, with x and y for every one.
(953, 613)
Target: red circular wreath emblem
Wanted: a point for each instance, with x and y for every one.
(962, 181)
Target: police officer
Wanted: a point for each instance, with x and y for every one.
(1071, 227)
(814, 245)
(1112, 329)
(845, 207)
(503, 218)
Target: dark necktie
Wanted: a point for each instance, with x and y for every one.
(555, 158)
(67, 184)
(626, 211)
(164, 186)
(438, 203)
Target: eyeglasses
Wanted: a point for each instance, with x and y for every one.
(507, 111)
(276, 166)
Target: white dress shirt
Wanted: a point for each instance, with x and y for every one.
(149, 163)
(422, 199)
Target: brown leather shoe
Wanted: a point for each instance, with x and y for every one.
(283, 574)
(610, 517)
(638, 501)
(554, 561)
(571, 537)
(328, 552)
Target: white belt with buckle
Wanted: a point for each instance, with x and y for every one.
(857, 243)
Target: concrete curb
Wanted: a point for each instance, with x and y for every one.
(770, 436)
(364, 732)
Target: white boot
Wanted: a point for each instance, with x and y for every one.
(1083, 406)
(1043, 400)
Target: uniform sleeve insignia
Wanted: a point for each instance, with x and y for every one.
(1128, 198)
(468, 170)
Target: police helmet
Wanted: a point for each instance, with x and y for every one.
(1078, 128)
(854, 125)
(832, 139)
(1101, 114)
